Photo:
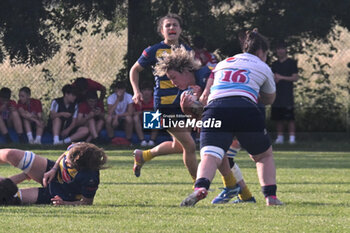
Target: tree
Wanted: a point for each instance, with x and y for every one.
(30, 30)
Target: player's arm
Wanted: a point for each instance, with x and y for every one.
(266, 98)
(49, 175)
(204, 97)
(134, 80)
(84, 201)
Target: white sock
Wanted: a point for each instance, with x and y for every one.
(56, 138)
(67, 140)
(291, 138)
(38, 138)
(30, 136)
(280, 138)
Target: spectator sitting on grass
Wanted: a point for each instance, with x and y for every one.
(31, 111)
(120, 111)
(91, 114)
(9, 116)
(63, 118)
(145, 105)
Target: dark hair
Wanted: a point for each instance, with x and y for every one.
(118, 85)
(87, 156)
(91, 95)
(81, 83)
(25, 90)
(5, 93)
(69, 89)
(255, 41)
(198, 42)
(168, 16)
(281, 45)
(146, 85)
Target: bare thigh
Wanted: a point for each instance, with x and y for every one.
(29, 195)
(14, 156)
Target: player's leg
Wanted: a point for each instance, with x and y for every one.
(231, 187)
(28, 195)
(213, 146)
(32, 165)
(265, 166)
(183, 136)
(165, 148)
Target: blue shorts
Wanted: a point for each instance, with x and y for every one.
(240, 117)
(44, 196)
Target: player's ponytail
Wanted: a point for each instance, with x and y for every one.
(255, 41)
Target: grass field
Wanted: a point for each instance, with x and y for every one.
(313, 185)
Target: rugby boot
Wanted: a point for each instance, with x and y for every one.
(138, 162)
(194, 197)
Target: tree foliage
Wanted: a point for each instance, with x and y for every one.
(30, 31)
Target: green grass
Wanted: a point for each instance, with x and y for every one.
(313, 185)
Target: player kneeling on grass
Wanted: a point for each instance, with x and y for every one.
(72, 180)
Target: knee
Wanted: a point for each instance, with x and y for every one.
(129, 120)
(10, 156)
(261, 157)
(108, 119)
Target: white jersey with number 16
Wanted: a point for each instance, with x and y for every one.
(242, 75)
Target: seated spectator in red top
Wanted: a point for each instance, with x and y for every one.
(9, 116)
(120, 111)
(146, 105)
(85, 85)
(91, 114)
(30, 111)
(202, 54)
(63, 118)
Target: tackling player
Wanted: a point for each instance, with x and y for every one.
(238, 82)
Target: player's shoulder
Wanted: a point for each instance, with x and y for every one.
(155, 47)
(86, 176)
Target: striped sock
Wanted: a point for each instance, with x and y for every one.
(229, 180)
(147, 155)
(245, 194)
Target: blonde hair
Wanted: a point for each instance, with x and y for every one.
(179, 60)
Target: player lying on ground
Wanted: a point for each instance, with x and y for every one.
(72, 180)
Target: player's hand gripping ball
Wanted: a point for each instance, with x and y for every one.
(190, 104)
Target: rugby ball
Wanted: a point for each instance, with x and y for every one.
(191, 106)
